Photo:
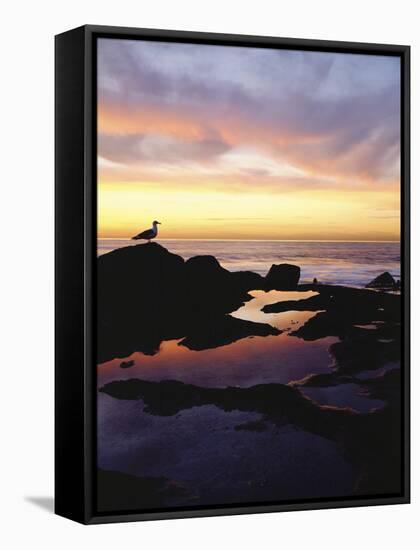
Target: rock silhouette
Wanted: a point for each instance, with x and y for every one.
(212, 333)
(120, 491)
(282, 277)
(340, 309)
(385, 281)
(146, 295)
(127, 364)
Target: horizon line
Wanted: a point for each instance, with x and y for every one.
(264, 240)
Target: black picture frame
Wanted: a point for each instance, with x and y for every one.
(75, 251)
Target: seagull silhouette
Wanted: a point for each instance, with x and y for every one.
(149, 233)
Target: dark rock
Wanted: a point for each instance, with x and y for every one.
(252, 426)
(282, 277)
(385, 281)
(386, 387)
(221, 331)
(204, 275)
(247, 280)
(322, 380)
(341, 309)
(120, 491)
(135, 282)
(314, 303)
(359, 304)
(209, 288)
(146, 295)
(126, 364)
(364, 352)
(374, 447)
(206, 268)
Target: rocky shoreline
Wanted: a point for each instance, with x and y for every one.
(148, 295)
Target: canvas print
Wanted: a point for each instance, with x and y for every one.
(248, 275)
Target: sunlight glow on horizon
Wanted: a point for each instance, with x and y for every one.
(126, 209)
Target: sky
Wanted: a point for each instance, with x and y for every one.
(226, 142)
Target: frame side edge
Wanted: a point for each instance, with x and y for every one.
(405, 230)
(69, 275)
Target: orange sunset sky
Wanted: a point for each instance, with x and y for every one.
(243, 143)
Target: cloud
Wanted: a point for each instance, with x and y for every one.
(163, 149)
(234, 219)
(165, 108)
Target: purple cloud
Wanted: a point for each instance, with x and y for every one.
(325, 112)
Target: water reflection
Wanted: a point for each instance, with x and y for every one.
(251, 311)
(249, 361)
(203, 448)
(343, 395)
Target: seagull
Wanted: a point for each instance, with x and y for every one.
(149, 233)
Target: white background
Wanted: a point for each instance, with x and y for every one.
(26, 301)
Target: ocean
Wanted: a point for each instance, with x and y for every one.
(335, 262)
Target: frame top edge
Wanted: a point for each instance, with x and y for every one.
(107, 31)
